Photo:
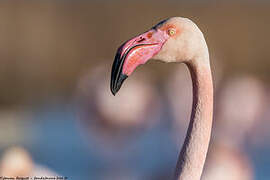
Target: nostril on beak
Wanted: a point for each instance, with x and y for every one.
(141, 39)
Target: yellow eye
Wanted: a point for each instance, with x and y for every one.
(171, 32)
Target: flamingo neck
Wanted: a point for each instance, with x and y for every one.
(193, 153)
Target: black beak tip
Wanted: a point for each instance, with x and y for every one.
(117, 83)
(113, 92)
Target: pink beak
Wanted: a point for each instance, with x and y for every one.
(133, 53)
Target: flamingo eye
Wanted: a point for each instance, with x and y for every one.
(171, 32)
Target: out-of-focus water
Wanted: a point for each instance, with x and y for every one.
(261, 162)
(60, 145)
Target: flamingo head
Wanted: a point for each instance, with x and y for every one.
(172, 40)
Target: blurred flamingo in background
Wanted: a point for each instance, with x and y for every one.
(226, 162)
(176, 40)
(241, 102)
(103, 121)
(118, 135)
(179, 94)
(17, 162)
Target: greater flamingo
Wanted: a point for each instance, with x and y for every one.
(176, 40)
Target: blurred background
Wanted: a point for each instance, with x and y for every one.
(58, 117)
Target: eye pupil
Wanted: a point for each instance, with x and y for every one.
(171, 32)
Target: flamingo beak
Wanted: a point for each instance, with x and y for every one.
(133, 53)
